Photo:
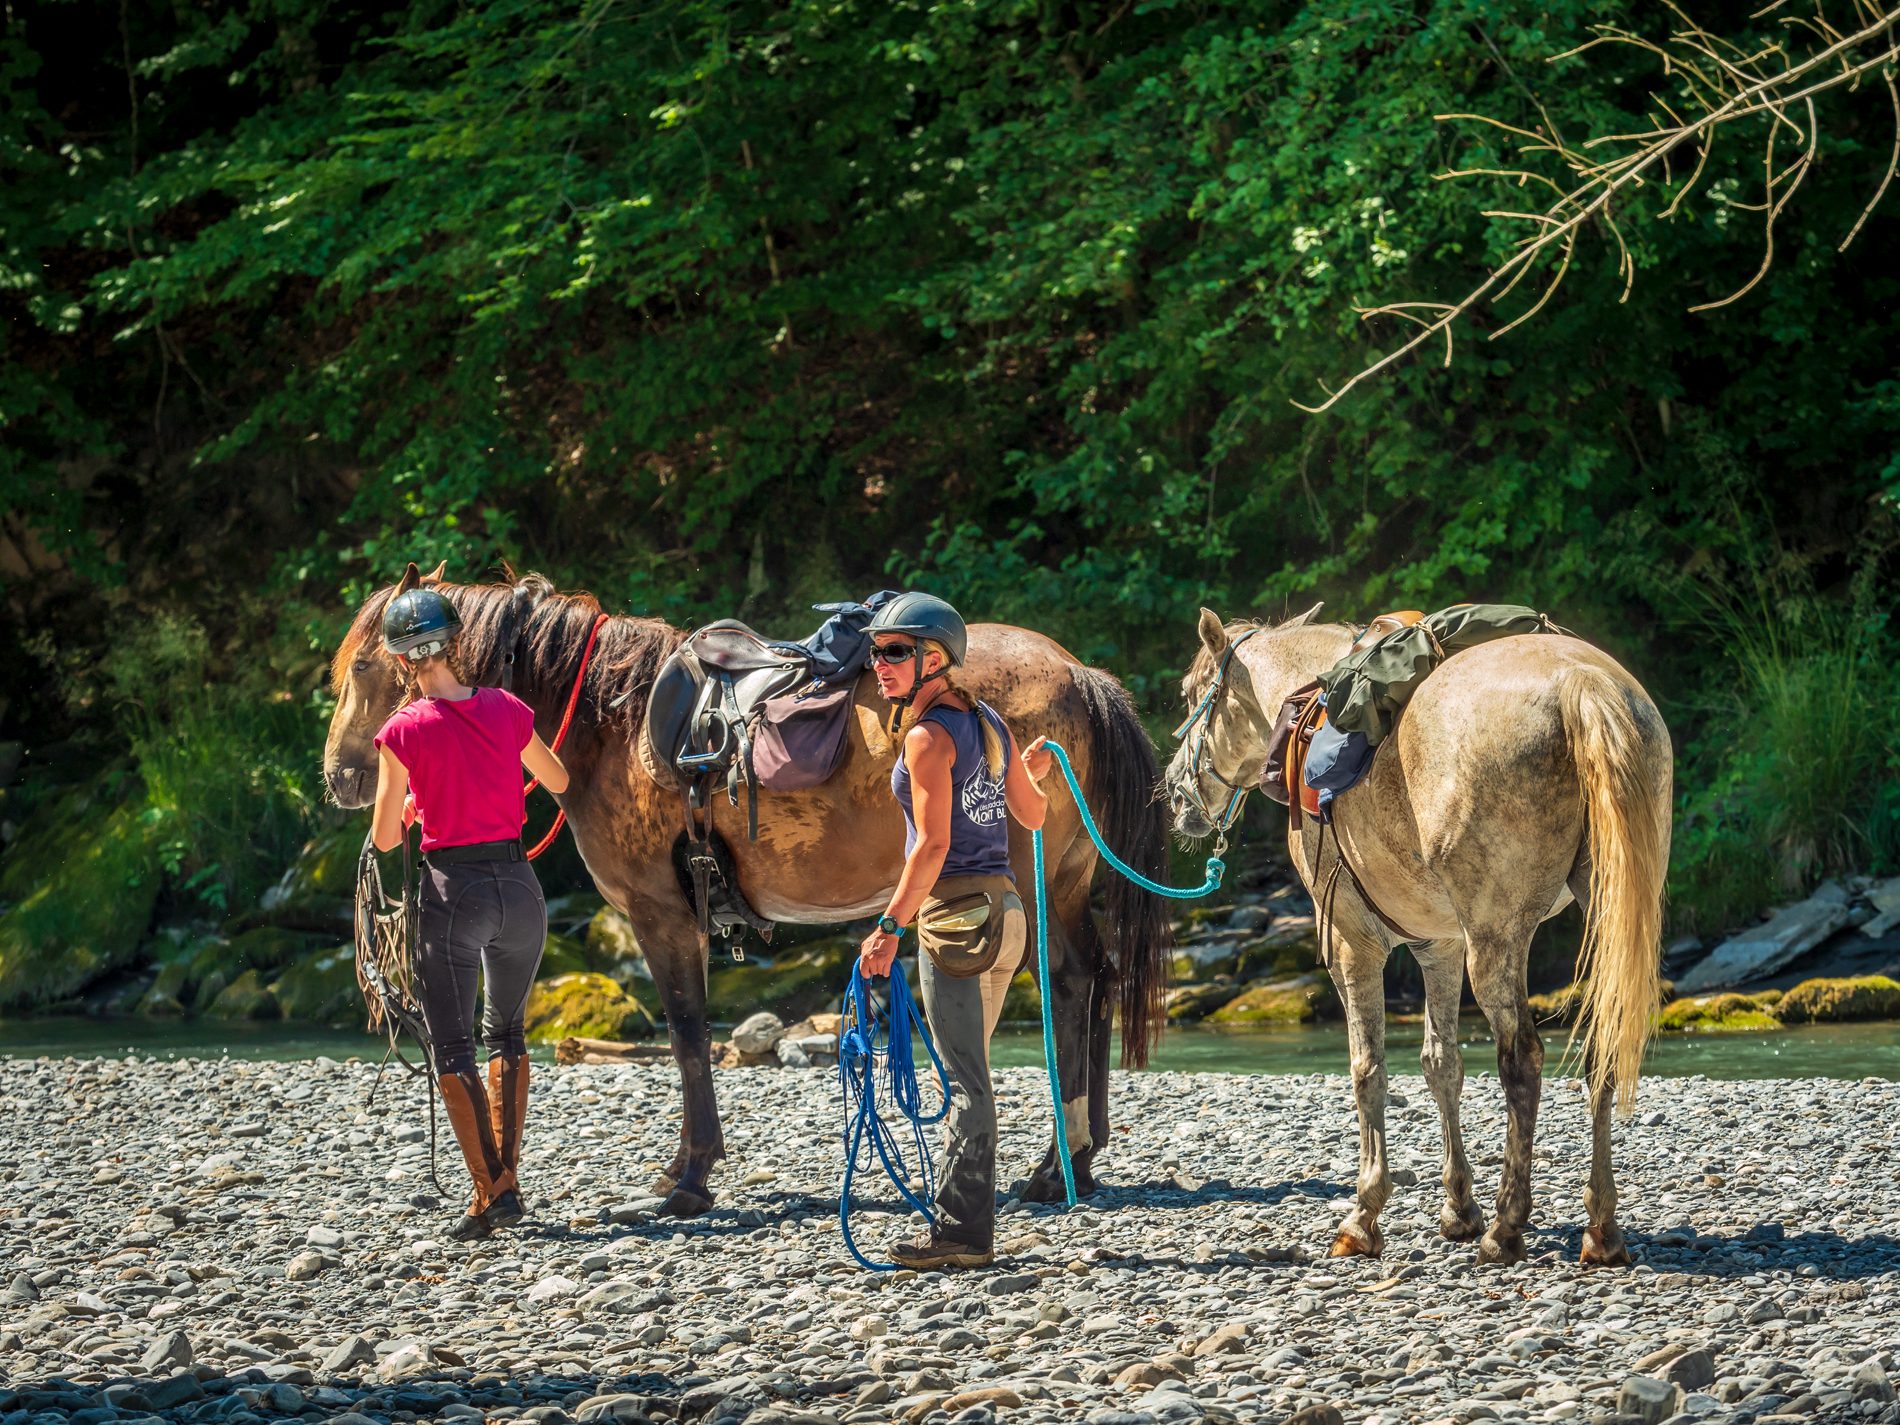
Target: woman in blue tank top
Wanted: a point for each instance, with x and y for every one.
(958, 784)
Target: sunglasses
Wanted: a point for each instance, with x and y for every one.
(893, 652)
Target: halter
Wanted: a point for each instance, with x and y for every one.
(1200, 721)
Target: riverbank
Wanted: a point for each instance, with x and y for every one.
(243, 1242)
(1830, 1051)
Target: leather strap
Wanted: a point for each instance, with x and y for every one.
(475, 851)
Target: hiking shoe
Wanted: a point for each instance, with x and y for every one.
(933, 1252)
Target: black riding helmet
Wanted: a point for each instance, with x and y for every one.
(419, 622)
(923, 616)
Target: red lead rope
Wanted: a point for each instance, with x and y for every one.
(560, 736)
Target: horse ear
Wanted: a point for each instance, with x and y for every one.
(1213, 632)
(411, 577)
(434, 576)
(1306, 617)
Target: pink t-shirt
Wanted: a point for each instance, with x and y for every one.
(464, 761)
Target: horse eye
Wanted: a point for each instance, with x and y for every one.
(361, 665)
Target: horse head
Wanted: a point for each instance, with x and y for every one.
(364, 678)
(1240, 675)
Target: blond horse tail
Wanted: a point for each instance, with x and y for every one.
(1620, 966)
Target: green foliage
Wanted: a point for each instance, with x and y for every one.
(1793, 777)
(720, 308)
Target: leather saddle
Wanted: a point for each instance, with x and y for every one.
(706, 699)
(1301, 715)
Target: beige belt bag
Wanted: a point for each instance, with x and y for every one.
(961, 924)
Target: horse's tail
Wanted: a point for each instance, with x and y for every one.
(1140, 935)
(1620, 965)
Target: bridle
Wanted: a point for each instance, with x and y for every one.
(1200, 761)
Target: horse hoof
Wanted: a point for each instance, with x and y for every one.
(1604, 1246)
(1355, 1242)
(684, 1202)
(1464, 1224)
(1042, 1188)
(1501, 1248)
(663, 1186)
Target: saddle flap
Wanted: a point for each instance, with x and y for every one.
(670, 705)
(732, 647)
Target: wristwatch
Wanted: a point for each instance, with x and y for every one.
(888, 924)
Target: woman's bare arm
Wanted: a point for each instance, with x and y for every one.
(542, 761)
(392, 787)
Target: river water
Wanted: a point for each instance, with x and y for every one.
(1831, 1051)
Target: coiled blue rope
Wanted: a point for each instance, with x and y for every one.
(1216, 868)
(866, 1042)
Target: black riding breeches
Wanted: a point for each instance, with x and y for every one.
(486, 918)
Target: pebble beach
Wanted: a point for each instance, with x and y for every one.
(240, 1242)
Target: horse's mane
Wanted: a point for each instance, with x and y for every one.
(1201, 671)
(550, 631)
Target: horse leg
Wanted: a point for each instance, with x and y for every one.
(672, 953)
(1071, 1005)
(1442, 965)
(1496, 965)
(1359, 973)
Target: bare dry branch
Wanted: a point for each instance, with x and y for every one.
(1731, 84)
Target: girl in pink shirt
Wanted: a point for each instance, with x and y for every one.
(451, 757)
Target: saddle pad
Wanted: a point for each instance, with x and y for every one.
(800, 738)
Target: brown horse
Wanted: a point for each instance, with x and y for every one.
(1524, 772)
(826, 855)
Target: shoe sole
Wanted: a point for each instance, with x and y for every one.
(954, 1259)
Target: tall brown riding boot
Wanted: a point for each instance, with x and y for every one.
(508, 1107)
(465, 1104)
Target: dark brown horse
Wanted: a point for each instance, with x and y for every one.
(826, 855)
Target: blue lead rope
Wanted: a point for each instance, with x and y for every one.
(1216, 868)
(866, 1043)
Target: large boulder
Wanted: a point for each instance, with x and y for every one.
(792, 985)
(1299, 1000)
(1721, 1014)
(586, 1006)
(246, 997)
(1761, 950)
(613, 947)
(80, 883)
(1833, 1001)
(320, 988)
(1187, 1003)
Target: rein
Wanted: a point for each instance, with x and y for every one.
(560, 733)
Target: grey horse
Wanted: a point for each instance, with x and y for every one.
(1525, 772)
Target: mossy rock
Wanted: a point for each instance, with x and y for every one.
(611, 944)
(1836, 1001)
(1187, 1003)
(1295, 1001)
(324, 870)
(562, 955)
(265, 948)
(321, 988)
(1561, 1007)
(587, 1006)
(158, 1005)
(82, 881)
(1024, 1000)
(246, 997)
(792, 986)
(1719, 1014)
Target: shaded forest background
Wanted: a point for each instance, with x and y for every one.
(730, 308)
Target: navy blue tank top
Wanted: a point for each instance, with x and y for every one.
(979, 817)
